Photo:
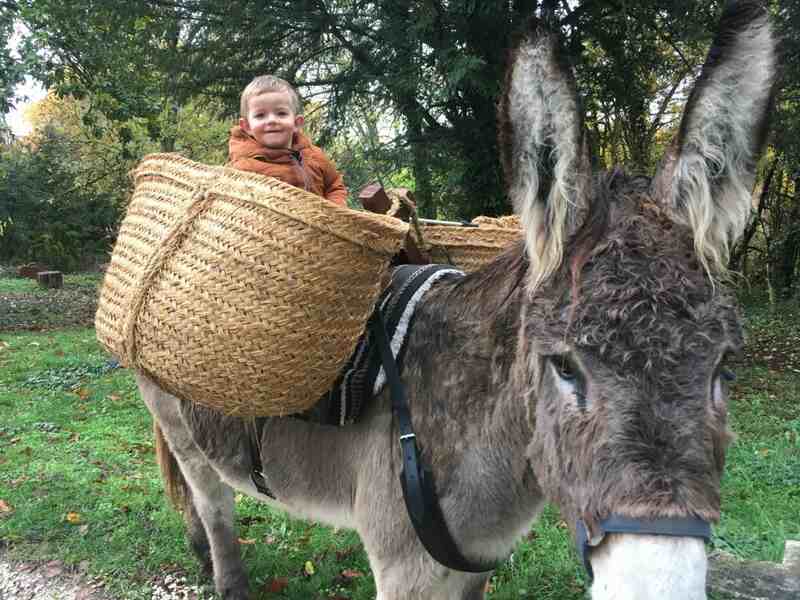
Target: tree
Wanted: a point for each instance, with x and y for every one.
(436, 66)
(64, 187)
(11, 71)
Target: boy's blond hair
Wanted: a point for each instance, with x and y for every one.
(269, 83)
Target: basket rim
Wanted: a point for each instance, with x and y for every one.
(368, 228)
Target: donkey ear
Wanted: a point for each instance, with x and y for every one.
(705, 179)
(542, 146)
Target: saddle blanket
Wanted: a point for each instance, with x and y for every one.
(363, 377)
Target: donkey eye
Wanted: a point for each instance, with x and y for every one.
(723, 376)
(564, 367)
(723, 371)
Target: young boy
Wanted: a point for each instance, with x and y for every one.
(268, 140)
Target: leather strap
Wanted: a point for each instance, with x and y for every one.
(417, 481)
(677, 526)
(255, 427)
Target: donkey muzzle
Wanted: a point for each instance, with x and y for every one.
(672, 526)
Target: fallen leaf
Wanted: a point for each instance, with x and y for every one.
(5, 507)
(764, 452)
(309, 568)
(114, 398)
(351, 574)
(82, 393)
(277, 585)
(247, 541)
(73, 518)
(54, 568)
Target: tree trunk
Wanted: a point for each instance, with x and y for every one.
(426, 205)
(740, 250)
(791, 245)
(50, 279)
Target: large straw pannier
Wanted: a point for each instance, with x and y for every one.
(247, 295)
(470, 248)
(237, 291)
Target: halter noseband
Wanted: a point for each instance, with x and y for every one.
(676, 526)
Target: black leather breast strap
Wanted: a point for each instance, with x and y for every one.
(416, 480)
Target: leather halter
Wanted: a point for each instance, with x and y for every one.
(677, 526)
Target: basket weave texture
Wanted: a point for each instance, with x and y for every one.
(237, 291)
(470, 248)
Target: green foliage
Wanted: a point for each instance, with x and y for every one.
(64, 188)
(45, 214)
(11, 71)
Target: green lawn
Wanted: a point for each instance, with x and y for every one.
(78, 481)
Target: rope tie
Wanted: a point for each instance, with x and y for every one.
(199, 202)
(416, 230)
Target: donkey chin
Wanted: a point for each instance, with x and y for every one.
(632, 567)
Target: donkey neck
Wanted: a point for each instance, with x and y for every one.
(460, 365)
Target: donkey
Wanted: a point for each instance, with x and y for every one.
(585, 366)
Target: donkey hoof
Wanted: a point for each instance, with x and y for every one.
(234, 588)
(237, 594)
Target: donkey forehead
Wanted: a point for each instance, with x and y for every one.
(638, 297)
(643, 298)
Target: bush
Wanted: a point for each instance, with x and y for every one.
(46, 213)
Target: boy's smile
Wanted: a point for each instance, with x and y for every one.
(271, 120)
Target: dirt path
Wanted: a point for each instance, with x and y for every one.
(56, 581)
(46, 581)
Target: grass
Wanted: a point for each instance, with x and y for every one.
(25, 305)
(78, 481)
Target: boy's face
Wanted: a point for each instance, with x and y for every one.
(271, 120)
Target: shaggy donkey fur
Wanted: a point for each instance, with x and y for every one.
(585, 366)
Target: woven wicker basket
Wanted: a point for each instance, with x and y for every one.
(237, 291)
(470, 248)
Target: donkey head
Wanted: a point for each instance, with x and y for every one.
(627, 324)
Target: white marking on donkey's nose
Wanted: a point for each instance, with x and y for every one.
(649, 567)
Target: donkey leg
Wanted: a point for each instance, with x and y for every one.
(214, 506)
(180, 494)
(212, 500)
(413, 579)
(198, 540)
